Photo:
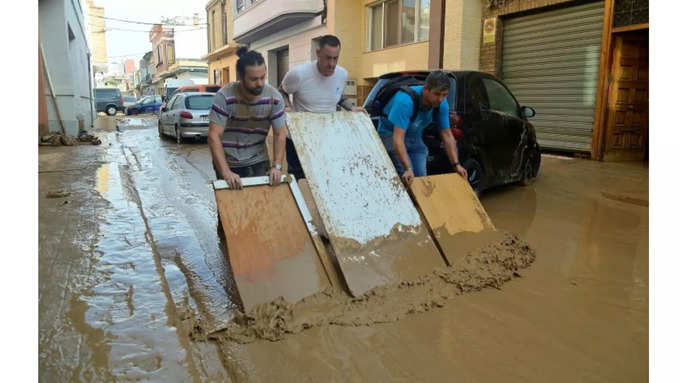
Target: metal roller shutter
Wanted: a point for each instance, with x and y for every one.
(551, 62)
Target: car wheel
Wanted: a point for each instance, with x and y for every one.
(475, 175)
(178, 136)
(530, 168)
(111, 110)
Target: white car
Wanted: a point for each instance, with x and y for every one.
(186, 115)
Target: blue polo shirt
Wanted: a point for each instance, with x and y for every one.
(399, 110)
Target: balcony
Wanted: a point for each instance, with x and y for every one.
(266, 17)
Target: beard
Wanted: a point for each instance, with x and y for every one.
(254, 91)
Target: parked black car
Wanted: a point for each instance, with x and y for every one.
(496, 143)
(108, 100)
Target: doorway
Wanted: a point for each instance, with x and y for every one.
(281, 65)
(627, 124)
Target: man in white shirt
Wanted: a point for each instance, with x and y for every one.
(316, 86)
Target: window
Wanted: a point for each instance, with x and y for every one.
(199, 102)
(171, 54)
(171, 102)
(394, 22)
(499, 98)
(147, 100)
(159, 59)
(178, 102)
(240, 5)
(476, 95)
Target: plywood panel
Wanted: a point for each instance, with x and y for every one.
(269, 247)
(453, 212)
(374, 228)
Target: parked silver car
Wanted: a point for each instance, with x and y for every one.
(186, 115)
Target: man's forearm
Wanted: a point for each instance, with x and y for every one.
(286, 98)
(400, 149)
(279, 145)
(345, 103)
(217, 152)
(450, 146)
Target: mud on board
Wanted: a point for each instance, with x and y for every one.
(455, 215)
(372, 224)
(269, 248)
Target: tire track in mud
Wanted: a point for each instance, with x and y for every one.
(188, 213)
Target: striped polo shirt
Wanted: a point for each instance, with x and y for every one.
(246, 123)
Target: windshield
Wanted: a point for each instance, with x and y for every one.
(129, 99)
(202, 102)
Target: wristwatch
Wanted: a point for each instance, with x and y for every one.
(277, 166)
(456, 164)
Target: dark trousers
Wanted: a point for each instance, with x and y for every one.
(254, 170)
(294, 166)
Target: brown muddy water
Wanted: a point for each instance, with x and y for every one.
(134, 285)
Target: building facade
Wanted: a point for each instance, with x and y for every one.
(377, 36)
(583, 65)
(177, 53)
(66, 60)
(97, 27)
(221, 57)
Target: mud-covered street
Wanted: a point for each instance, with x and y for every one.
(133, 280)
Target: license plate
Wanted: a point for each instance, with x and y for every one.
(204, 118)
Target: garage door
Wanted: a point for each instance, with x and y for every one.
(551, 62)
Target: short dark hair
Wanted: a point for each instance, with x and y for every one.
(329, 40)
(437, 80)
(247, 58)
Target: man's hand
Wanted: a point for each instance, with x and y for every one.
(408, 177)
(461, 170)
(233, 180)
(274, 176)
(359, 109)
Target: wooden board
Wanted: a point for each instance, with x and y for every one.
(269, 247)
(374, 228)
(453, 212)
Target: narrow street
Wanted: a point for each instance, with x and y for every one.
(130, 262)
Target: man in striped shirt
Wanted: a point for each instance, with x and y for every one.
(240, 117)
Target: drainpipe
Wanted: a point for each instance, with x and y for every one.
(89, 79)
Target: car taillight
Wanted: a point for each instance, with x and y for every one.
(456, 123)
(186, 115)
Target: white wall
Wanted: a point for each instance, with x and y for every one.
(67, 64)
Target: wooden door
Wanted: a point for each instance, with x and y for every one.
(225, 76)
(281, 65)
(628, 101)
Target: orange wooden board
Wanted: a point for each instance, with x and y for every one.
(453, 212)
(269, 248)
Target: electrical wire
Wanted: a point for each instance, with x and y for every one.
(144, 22)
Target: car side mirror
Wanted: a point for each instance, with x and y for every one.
(528, 112)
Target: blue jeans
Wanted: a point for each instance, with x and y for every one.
(415, 149)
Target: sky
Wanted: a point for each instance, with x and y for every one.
(125, 44)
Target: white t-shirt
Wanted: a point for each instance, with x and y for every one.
(312, 91)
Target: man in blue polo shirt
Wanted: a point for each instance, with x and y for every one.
(402, 134)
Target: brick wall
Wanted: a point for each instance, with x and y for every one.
(490, 53)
